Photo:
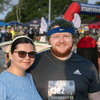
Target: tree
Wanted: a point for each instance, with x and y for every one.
(98, 3)
(83, 1)
(11, 16)
(19, 9)
(26, 10)
(5, 4)
(39, 8)
(15, 14)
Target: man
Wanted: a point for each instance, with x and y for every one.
(60, 74)
(87, 48)
(31, 33)
(25, 30)
(7, 37)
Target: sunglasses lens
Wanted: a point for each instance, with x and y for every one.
(22, 54)
(32, 54)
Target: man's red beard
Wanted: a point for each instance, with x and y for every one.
(58, 54)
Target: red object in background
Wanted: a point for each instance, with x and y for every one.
(72, 9)
(94, 25)
(99, 17)
(86, 42)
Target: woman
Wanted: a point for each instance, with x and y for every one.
(15, 83)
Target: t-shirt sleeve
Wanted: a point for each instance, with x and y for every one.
(2, 91)
(36, 94)
(95, 81)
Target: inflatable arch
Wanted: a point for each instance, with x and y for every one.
(82, 8)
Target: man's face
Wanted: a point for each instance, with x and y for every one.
(11, 28)
(61, 44)
(8, 30)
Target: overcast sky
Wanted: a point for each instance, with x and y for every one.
(2, 16)
(93, 1)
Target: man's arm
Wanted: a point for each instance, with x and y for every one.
(94, 96)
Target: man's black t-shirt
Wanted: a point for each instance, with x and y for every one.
(70, 79)
(7, 36)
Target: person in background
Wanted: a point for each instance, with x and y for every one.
(31, 33)
(15, 83)
(12, 32)
(17, 30)
(78, 34)
(0, 37)
(3, 31)
(21, 32)
(7, 37)
(98, 49)
(60, 73)
(37, 34)
(34, 33)
(25, 31)
(87, 48)
(42, 35)
(95, 37)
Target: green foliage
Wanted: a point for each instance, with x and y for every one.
(10, 17)
(4, 5)
(58, 7)
(98, 3)
(40, 8)
(83, 1)
(62, 23)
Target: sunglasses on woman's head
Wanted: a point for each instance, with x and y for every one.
(22, 54)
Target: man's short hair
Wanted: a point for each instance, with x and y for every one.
(86, 33)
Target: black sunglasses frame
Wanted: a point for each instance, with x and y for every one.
(22, 54)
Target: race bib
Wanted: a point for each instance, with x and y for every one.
(61, 90)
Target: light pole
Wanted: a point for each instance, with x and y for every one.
(49, 16)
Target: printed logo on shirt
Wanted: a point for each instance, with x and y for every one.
(77, 72)
(61, 29)
(61, 90)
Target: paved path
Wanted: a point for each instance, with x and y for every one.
(2, 61)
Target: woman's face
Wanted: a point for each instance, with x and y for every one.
(22, 63)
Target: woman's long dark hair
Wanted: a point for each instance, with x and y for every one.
(20, 40)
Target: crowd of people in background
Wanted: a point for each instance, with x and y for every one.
(32, 32)
(35, 33)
